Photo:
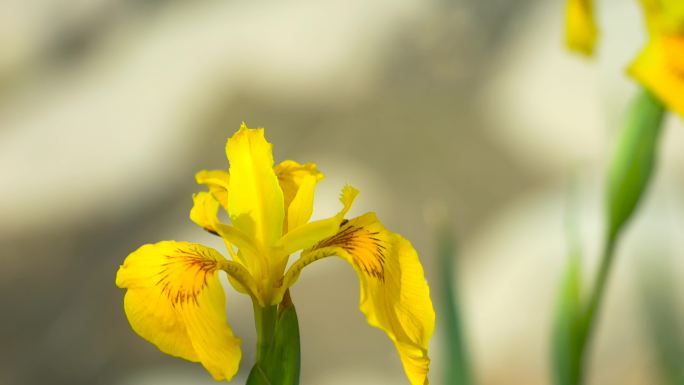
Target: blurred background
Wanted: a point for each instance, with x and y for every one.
(467, 112)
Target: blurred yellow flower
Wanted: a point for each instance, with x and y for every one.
(580, 26)
(660, 65)
(174, 297)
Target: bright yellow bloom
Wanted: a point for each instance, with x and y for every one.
(175, 299)
(580, 26)
(660, 65)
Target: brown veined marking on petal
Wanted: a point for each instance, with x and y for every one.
(184, 276)
(211, 231)
(365, 247)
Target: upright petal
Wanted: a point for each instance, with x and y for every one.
(298, 182)
(217, 183)
(300, 209)
(175, 301)
(394, 294)
(580, 26)
(255, 202)
(660, 68)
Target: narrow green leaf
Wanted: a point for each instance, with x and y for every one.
(660, 309)
(567, 329)
(634, 160)
(567, 337)
(458, 371)
(280, 364)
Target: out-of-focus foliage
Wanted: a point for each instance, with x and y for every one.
(662, 315)
(628, 176)
(567, 328)
(634, 160)
(455, 346)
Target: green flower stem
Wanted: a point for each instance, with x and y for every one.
(590, 314)
(278, 353)
(599, 286)
(628, 179)
(265, 319)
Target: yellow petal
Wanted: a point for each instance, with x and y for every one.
(394, 294)
(204, 211)
(664, 16)
(309, 234)
(298, 182)
(175, 301)
(652, 14)
(255, 203)
(674, 16)
(217, 182)
(205, 214)
(580, 26)
(300, 209)
(660, 68)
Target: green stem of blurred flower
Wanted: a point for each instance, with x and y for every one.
(590, 314)
(628, 179)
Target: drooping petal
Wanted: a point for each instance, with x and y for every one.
(581, 30)
(394, 293)
(175, 301)
(217, 182)
(660, 68)
(255, 202)
(298, 182)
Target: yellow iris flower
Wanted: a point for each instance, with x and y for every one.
(660, 65)
(174, 298)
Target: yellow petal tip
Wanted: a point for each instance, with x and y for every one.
(581, 31)
(347, 197)
(348, 194)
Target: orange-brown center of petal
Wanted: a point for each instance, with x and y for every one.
(183, 276)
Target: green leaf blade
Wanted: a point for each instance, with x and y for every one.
(458, 370)
(567, 337)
